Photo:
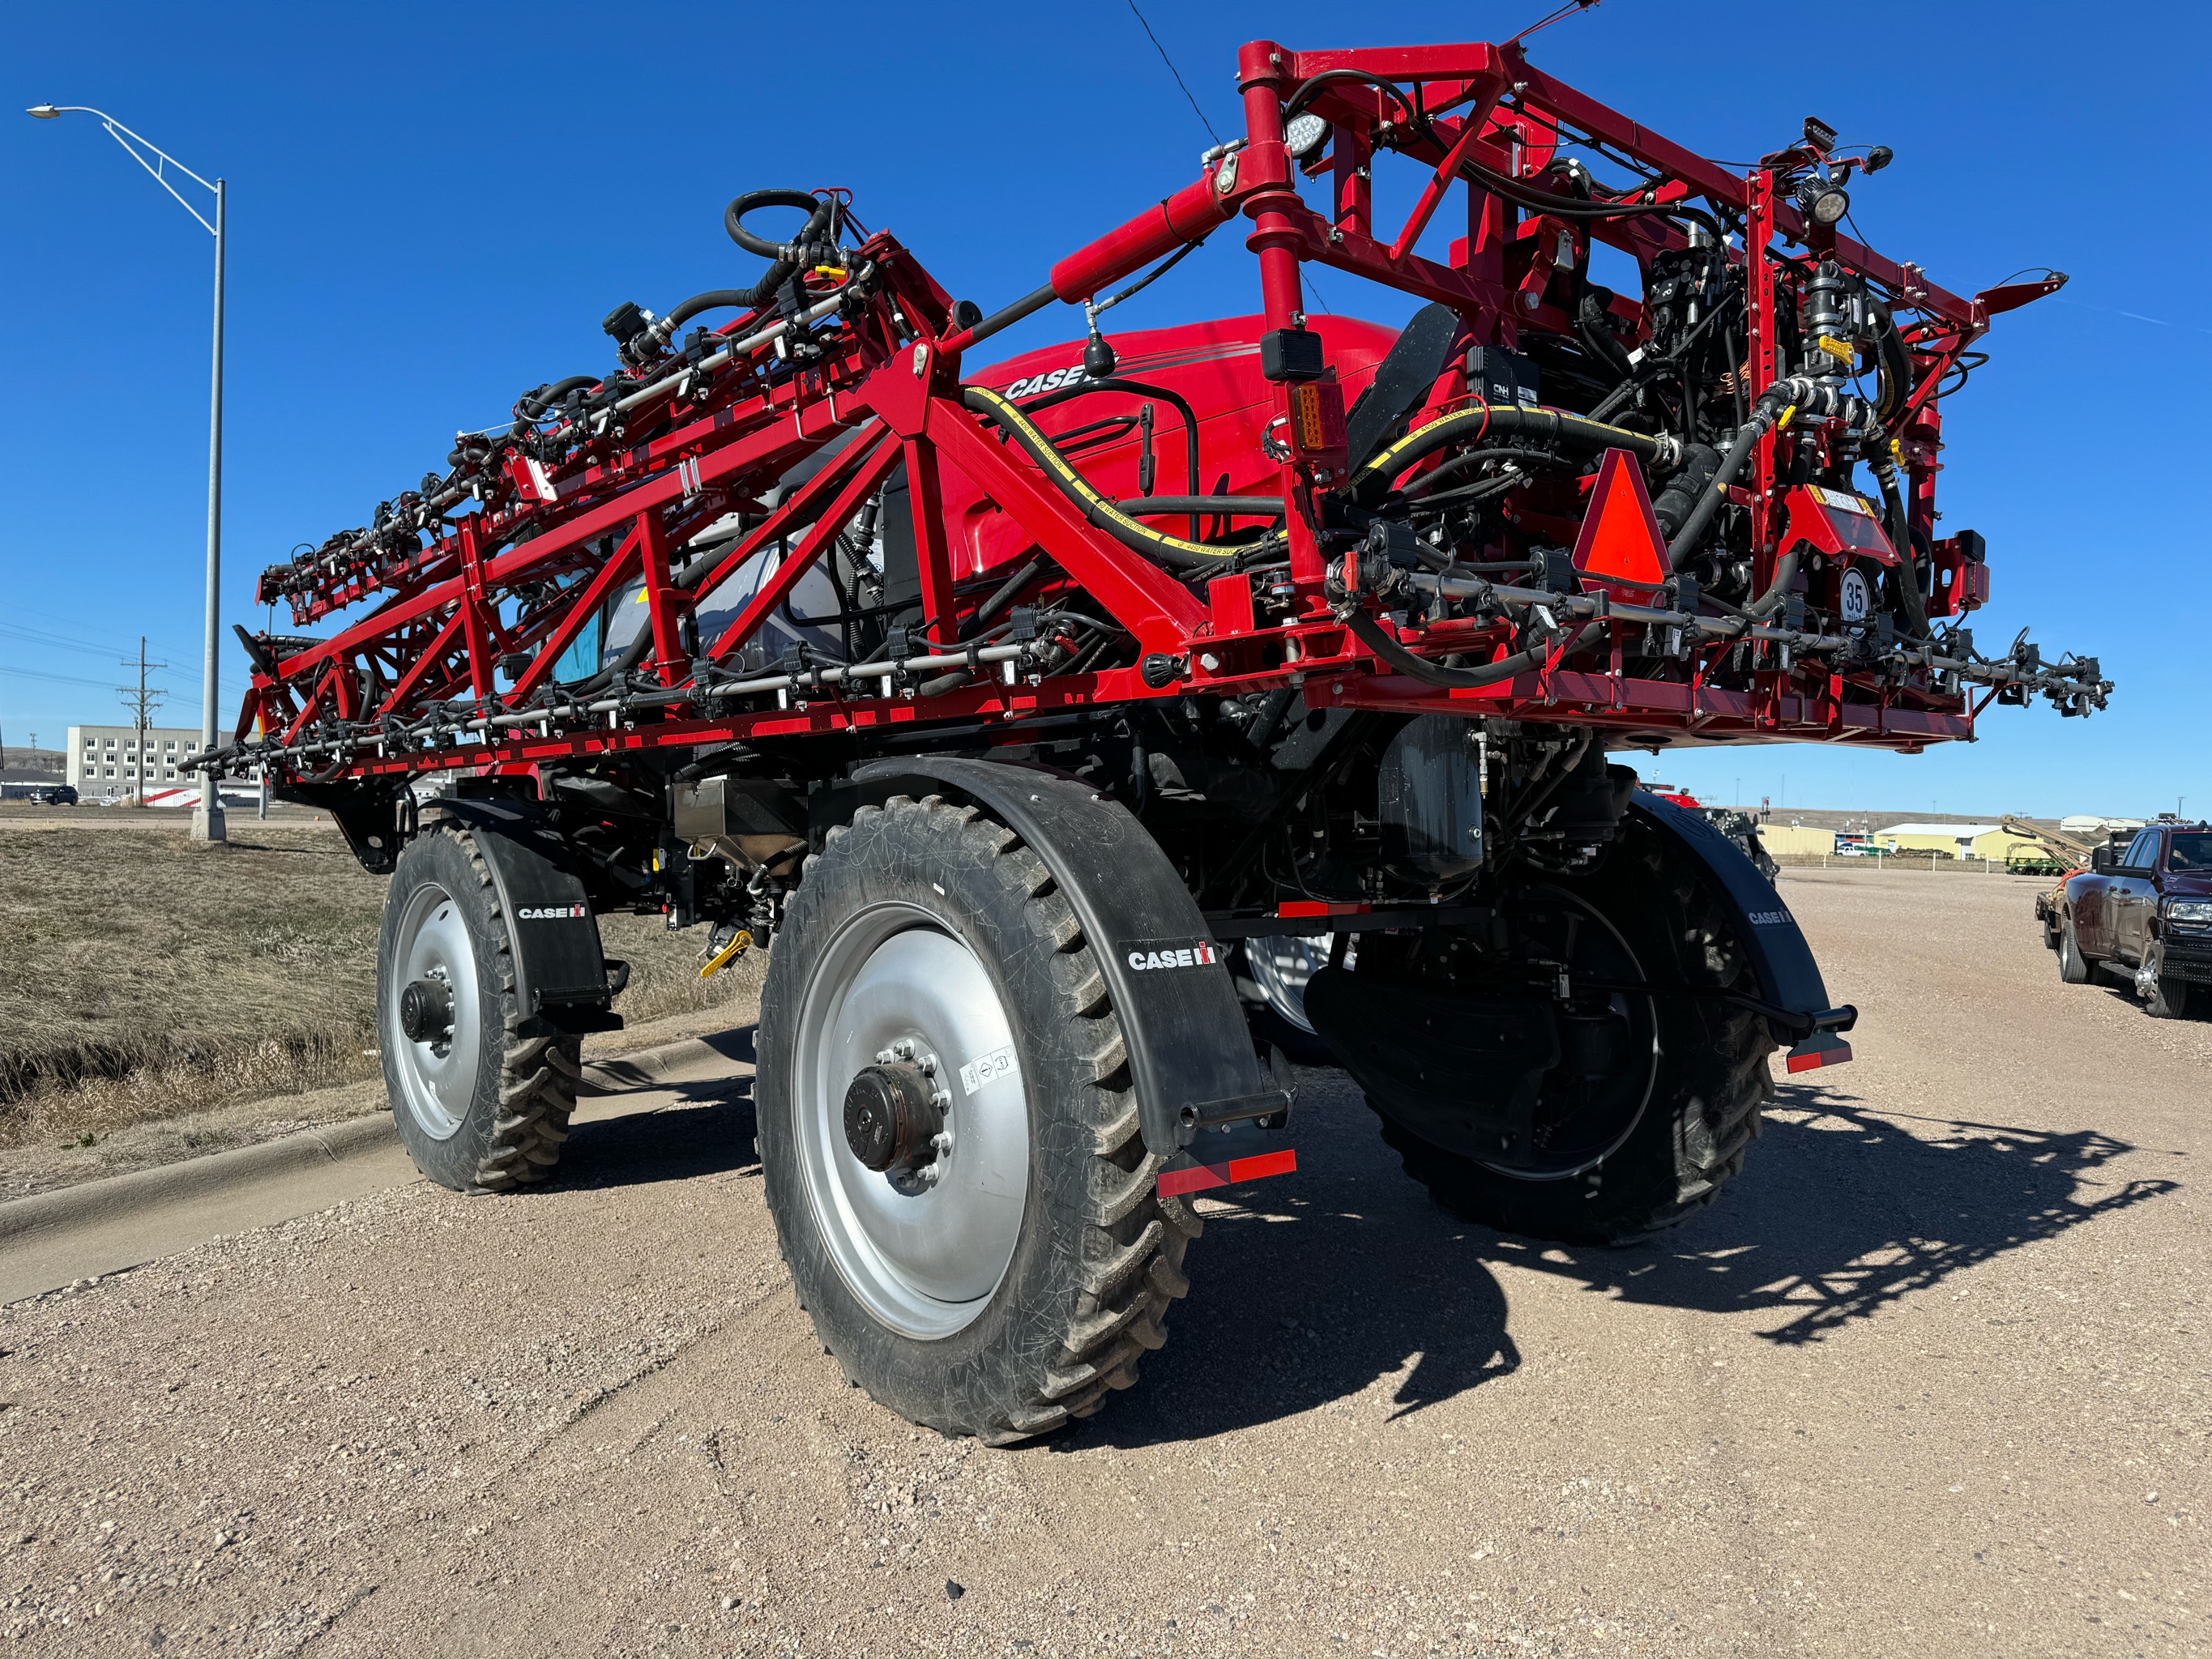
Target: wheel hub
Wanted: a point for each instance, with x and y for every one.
(892, 1114)
(426, 1011)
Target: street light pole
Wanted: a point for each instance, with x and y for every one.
(207, 816)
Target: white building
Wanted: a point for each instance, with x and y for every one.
(104, 760)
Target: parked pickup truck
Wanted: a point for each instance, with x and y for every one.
(2142, 914)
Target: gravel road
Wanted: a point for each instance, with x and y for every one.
(1931, 1379)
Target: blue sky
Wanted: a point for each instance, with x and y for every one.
(432, 207)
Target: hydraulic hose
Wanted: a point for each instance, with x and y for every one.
(783, 257)
(533, 404)
(1418, 668)
(1899, 525)
(741, 298)
(1774, 408)
(1372, 482)
(1895, 364)
(1141, 388)
(1173, 552)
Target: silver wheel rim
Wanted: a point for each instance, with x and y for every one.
(924, 1258)
(437, 1078)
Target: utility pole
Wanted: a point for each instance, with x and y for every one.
(141, 702)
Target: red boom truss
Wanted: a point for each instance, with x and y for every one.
(481, 581)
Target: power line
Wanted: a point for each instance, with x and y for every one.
(1177, 73)
(141, 703)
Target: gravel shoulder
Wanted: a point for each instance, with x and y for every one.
(1930, 1379)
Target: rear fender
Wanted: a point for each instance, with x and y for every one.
(561, 975)
(1199, 1087)
(1791, 994)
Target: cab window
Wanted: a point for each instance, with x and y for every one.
(2190, 850)
(2142, 851)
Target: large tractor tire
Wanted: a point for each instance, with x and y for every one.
(481, 1108)
(1708, 1078)
(2074, 968)
(949, 1135)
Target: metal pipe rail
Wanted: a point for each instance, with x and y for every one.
(1727, 630)
(350, 744)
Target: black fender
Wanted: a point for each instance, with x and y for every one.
(1191, 1059)
(1791, 994)
(560, 970)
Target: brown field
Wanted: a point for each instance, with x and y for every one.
(143, 977)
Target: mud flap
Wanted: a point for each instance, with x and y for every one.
(560, 972)
(1202, 1099)
(1791, 995)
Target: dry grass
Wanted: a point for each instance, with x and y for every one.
(142, 977)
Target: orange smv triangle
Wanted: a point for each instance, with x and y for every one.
(1619, 540)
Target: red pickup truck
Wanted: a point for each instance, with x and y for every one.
(2142, 914)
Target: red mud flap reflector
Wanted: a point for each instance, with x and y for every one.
(1821, 1049)
(1200, 1176)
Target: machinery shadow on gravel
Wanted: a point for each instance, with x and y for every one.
(1305, 1294)
(1307, 1289)
(1842, 1210)
(705, 1129)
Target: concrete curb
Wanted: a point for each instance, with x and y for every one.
(93, 1202)
(199, 1180)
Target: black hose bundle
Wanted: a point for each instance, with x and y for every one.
(533, 405)
(1173, 552)
(784, 258)
(1371, 482)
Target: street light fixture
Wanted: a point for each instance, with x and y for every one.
(207, 816)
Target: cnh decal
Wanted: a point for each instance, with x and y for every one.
(553, 912)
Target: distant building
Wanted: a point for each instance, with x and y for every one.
(1794, 838)
(1959, 841)
(104, 760)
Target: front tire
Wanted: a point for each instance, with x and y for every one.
(2168, 998)
(481, 1108)
(1710, 1082)
(1006, 1278)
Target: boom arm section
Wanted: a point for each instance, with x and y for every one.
(1641, 513)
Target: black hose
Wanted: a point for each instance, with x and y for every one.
(1372, 482)
(1900, 526)
(1685, 541)
(1894, 364)
(1568, 207)
(742, 299)
(533, 404)
(1003, 594)
(1234, 507)
(1785, 576)
(1141, 388)
(780, 268)
(1307, 89)
(1441, 486)
(1170, 551)
(1431, 673)
(1672, 505)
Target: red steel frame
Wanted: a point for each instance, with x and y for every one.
(890, 372)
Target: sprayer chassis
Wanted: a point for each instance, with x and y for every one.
(1040, 860)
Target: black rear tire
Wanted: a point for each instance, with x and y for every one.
(1099, 1254)
(496, 1125)
(2074, 968)
(1711, 1081)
